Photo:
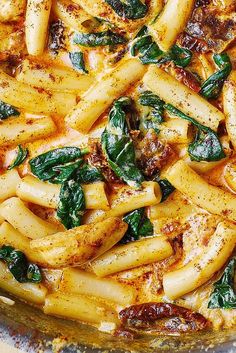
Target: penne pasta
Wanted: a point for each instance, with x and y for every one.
(32, 99)
(79, 245)
(183, 178)
(26, 222)
(168, 26)
(182, 97)
(128, 199)
(57, 78)
(175, 131)
(102, 94)
(81, 282)
(36, 25)
(78, 307)
(44, 194)
(31, 292)
(229, 101)
(189, 277)
(131, 255)
(8, 184)
(20, 130)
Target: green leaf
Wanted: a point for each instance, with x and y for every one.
(223, 295)
(155, 117)
(21, 156)
(139, 225)
(55, 166)
(88, 174)
(118, 146)
(130, 9)
(18, 265)
(166, 188)
(180, 56)
(211, 88)
(77, 60)
(206, 145)
(7, 110)
(98, 39)
(72, 204)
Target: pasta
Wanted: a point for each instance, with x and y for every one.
(118, 162)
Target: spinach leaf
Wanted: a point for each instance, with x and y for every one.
(88, 174)
(118, 146)
(55, 166)
(77, 60)
(180, 56)
(18, 265)
(71, 206)
(166, 188)
(156, 116)
(223, 295)
(130, 9)
(211, 88)
(98, 39)
(7, 110)
(138, 225)
(206, 145)
(21, 156)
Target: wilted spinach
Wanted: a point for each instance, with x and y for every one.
(77, 60)
(118, 146)
(223, 295)
(7, 110)
(17, 263)
(139, 225)
(206, 145)
(180, 56)
(55, 166)
(21, 156)
(211, 88)
(130, 9)
(98, 39)
(156, 115)
(166, 188)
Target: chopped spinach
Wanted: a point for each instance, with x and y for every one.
(54, 166)
(56, 36)
(98, 39)
(166, 188)
(17, 263)
(211, 88)
(224, 295)
(118, 146)
(130, 9)
(180, 56)
(7, 110)
(77, 60)
(21, 156)
(206, 145)
(88, 174)
(139, 225)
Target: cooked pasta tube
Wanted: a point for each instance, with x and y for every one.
(171, 22)
(36, 25)
(31, 292)
(79, 245)
(78, 307)
(128, 199)
(189, 102)
(81, 282)
(103, 93)
(11, 236)
(8, 184)
(208, 68)
(174, 131)
(131, 255)
(1, 219)
(32, 99)
(20, 130)
(209, 197)
(229, 101)
(44, 194)
(200, 270)
(26, 222)
(57, 78)
(75, 18)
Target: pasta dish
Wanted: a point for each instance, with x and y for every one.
(118, 163)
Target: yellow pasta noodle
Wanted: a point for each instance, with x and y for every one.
(8, 184)
(102, 94)
(185, 279)
(229, 100)
(131, 255)
(182, 97)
